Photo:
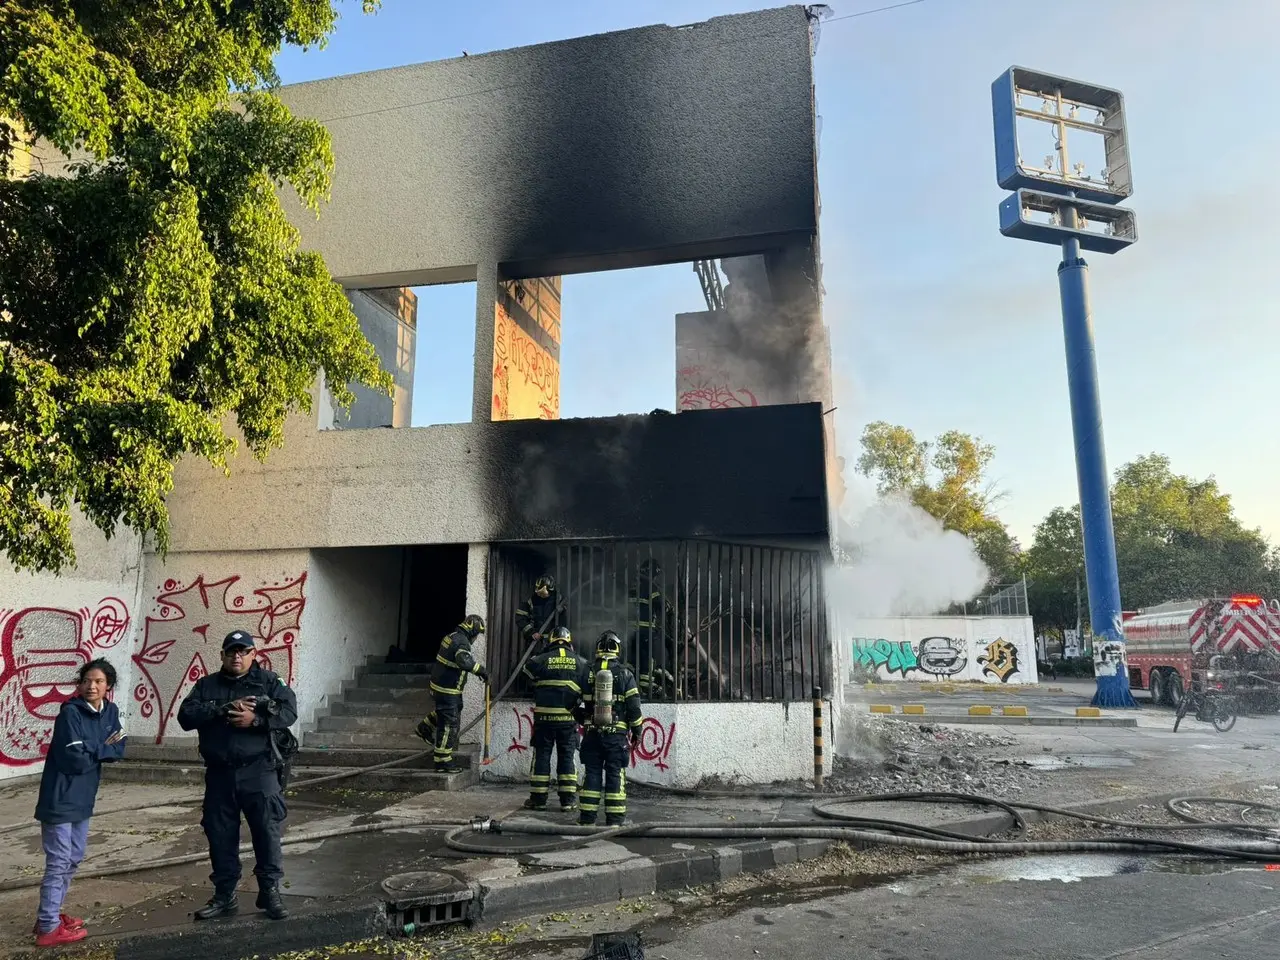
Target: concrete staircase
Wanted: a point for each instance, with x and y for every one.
(372, 723)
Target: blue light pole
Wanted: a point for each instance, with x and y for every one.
(1054, 204)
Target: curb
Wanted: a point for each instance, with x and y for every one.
(501, 900)
(248, 936)
(1010, 715)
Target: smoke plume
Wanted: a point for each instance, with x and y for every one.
(899, 561)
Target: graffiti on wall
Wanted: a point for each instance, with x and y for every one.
(999, 659)
(653, 745)
(893, 656)
(41, 648)
(526, 341)
(182, 641)
(942, 656)
(701, 388)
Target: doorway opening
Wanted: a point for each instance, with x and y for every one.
(435, 597)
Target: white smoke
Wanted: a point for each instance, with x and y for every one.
(899, 561)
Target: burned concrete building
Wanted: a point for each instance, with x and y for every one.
(364, 540)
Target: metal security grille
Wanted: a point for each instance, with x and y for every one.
(699, 620)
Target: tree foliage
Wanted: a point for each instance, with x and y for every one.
(947, 478)
(151, 287)
(1176, 539)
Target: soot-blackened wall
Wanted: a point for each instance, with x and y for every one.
(752, 473)
(651, 145)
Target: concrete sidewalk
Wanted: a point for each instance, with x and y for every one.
(333, 886)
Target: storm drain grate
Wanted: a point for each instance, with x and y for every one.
(616, 946)
(420, 901)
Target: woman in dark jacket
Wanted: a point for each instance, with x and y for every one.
(86, 734)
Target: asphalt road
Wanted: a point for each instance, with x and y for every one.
(1027, 908)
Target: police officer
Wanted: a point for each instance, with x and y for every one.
(533, 614)
(454, 662)
(237, 712)
(605, 747)
(557, 675)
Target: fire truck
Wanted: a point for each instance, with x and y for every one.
(1173, 645)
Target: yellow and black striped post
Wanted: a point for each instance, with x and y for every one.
(817, 738)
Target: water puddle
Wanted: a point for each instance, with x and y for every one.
(1076, 762)
(1064, 868)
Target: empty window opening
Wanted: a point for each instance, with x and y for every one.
(445, 364)
(619, 351)
(433, 598)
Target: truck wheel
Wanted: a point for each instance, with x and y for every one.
(1173, 691)
(1155, 683)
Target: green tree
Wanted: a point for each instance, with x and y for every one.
(947, 478)
(1176, 539)
(151, 287)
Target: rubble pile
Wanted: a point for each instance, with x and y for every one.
(891, 756)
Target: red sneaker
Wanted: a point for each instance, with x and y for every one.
(75, 923)
(61, 936)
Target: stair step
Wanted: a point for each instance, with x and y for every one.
(378, 741)
(393, 669)
(416, 681)
(406, 780)
(372, 708)
(367, 757)
(420, 698)
(382, 722)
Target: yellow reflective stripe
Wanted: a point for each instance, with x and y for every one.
(445, 661)
(436, 688)
(522, 612)
(540, 778)
(568, 684)
(633, 692)
(553, 713)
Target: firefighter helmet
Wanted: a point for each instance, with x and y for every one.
(609, 643)
(561, 635)
(473, 624)
(545, 582)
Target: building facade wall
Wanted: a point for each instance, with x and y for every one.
(50, 626)
(353, 612)
(193, 600)
(388, 319)
(939, 649)
(596, 152)
(526, 350)
(682, 745)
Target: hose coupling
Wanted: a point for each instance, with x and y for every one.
(483, 825)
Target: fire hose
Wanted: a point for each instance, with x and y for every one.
(866, 831)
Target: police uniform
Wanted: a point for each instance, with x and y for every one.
(606, 750)
(242, 776)
(557, 675)
(454, 663)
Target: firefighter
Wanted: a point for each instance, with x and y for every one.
(448, 676)
(557, 675)
(610, 712)
(533, 614)
(650, 648)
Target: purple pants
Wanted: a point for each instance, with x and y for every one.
(64, 846)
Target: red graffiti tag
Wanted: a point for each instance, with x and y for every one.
(182, 641)
(704, 390)
(654, 744)
(520, 742)
(41, 648)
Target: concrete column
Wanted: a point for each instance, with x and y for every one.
(477, 602)
(487, 276)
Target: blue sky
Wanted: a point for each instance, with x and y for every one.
(937, 321)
